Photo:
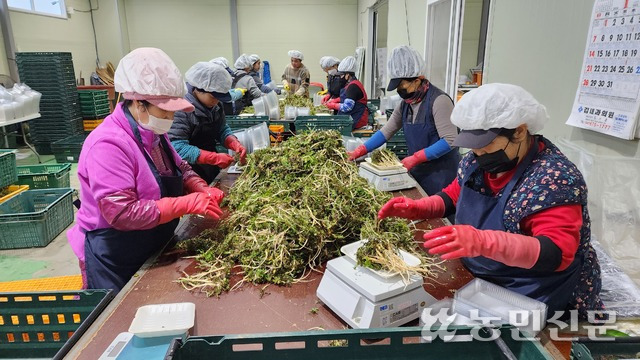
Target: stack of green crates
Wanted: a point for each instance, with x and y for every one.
(242, 122)
(52, 74)
(398, 145)
(94, 104)
(68, 149)
(341, 123)
(8, 173)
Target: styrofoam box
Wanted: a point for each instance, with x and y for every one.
(492, 300)
(163, 319)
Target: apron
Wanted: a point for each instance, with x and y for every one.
(433, 175)
(113, 256)
(486, 213)
(360, 113)
(203, 137)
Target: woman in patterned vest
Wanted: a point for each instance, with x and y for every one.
(520, 205)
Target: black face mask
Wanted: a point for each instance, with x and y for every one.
(497, 162)
(405, 94)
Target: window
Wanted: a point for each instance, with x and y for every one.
(41, 7)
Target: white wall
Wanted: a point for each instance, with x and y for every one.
(44, 33)
(270, 28)
(188, 31)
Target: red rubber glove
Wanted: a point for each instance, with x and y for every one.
(417, 158)
(335, 105)
(457, 241)
(232, 142)
(358, 152)
(196, 203)
(326, 98)
(214, 158)
(425, 208)
(197, 184)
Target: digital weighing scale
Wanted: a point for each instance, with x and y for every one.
(152, 331)
(364, 298)
(390, 178)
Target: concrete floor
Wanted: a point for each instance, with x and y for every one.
(56, 259)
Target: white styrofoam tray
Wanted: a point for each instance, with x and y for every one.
(398, 166)
(163, 319)
(350, 251)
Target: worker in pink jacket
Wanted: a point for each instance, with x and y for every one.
(134, 186)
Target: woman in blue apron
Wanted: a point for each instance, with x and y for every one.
(520, 205)
(424, 117)
(133, 183)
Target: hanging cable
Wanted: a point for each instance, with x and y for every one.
(406, 18)
(95, 38)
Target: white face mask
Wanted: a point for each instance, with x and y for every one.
(157, 125)
(332, 71)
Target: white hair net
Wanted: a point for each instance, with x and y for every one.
(148, 72)
(347, 64)
(296, 54)
(209, 77)
(242, 62)
(328, 61)
(405, 62)
(222, 61)
(254, 58)
(499, 106)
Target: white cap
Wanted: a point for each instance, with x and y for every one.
(296, 54)
(495, 106)
(242, 62)
(328, 61)
(254, 58)
(209, 77)
(150, 74)
(347, 64)
(404, 62)
(222, 61)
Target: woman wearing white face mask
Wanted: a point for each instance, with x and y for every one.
(133, 183)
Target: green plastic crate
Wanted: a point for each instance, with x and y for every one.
(8, 174)
(611, 348)
(68, 149)
(243, 122)
(35, 217)
(392, 343)
(47, 324)
(44, 176)
(341, 123)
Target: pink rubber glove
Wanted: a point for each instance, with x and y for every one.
(213, 158)
(417, 158)
(457, 241)
(358, 152)
(232, 142)
(326, 98)
(196, 203)
(425, 208)
(197, 184)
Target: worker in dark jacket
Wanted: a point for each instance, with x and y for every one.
(329, 65)
(353, 97)
(256, 68)
(195, 135)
